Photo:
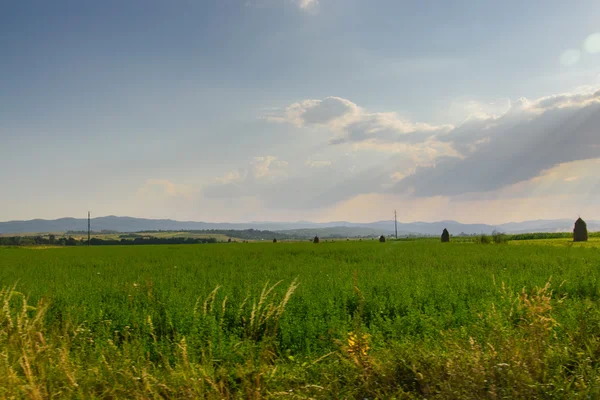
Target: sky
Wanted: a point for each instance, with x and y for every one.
(287, 110)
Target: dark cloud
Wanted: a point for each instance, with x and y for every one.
(518, 148)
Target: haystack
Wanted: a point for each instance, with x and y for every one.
(381, 239)
(274, 240)
(580, 233)
(316, 239)
(445, 236)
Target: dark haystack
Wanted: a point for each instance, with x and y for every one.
(580, 233)
(274, 240)
(445, 236)
(381, 239)
(229, 240)
(316, 239)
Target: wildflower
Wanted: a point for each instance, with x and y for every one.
(358, 345)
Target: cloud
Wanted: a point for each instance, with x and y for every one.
(268, 167)
(351, 124)
(538, 157)
(163, 187)
(248, 181)
(331, 110)
(232, 177)
(317, 164)
(530, 138)
(308, 184)
(483, 154)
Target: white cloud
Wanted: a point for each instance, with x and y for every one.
(248, 181)
(331, 110)
(164, 187)
(232, 177)
(268, 166)
(350, 123)
(317, 164)
(483, 154)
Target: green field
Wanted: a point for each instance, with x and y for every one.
(564, 242)
(406, 319)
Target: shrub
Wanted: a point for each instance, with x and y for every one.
(499, 237)
(483, 239)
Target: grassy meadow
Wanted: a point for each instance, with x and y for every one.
(351, 320)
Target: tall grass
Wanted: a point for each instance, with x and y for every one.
(344, 320)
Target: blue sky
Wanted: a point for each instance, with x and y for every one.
(241, 110)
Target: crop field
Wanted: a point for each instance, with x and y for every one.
(565, 242)
(348, 320)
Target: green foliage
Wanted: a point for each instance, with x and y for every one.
(499, 237)
(547, 235)
(483, 239)
(412, 319)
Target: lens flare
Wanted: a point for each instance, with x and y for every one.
(570, 57)
(592, 43)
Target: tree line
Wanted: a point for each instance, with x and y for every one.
(52, 240)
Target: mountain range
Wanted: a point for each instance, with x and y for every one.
(130, 224)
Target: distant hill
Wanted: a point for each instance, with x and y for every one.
(300, 229)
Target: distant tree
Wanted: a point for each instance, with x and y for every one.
(71, 241)
(52, 239)
(445, 236)
(499, 237)
(483, 239)
(381, 239)
(580, 232)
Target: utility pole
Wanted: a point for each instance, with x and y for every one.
(395, 224)
(89, 225)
